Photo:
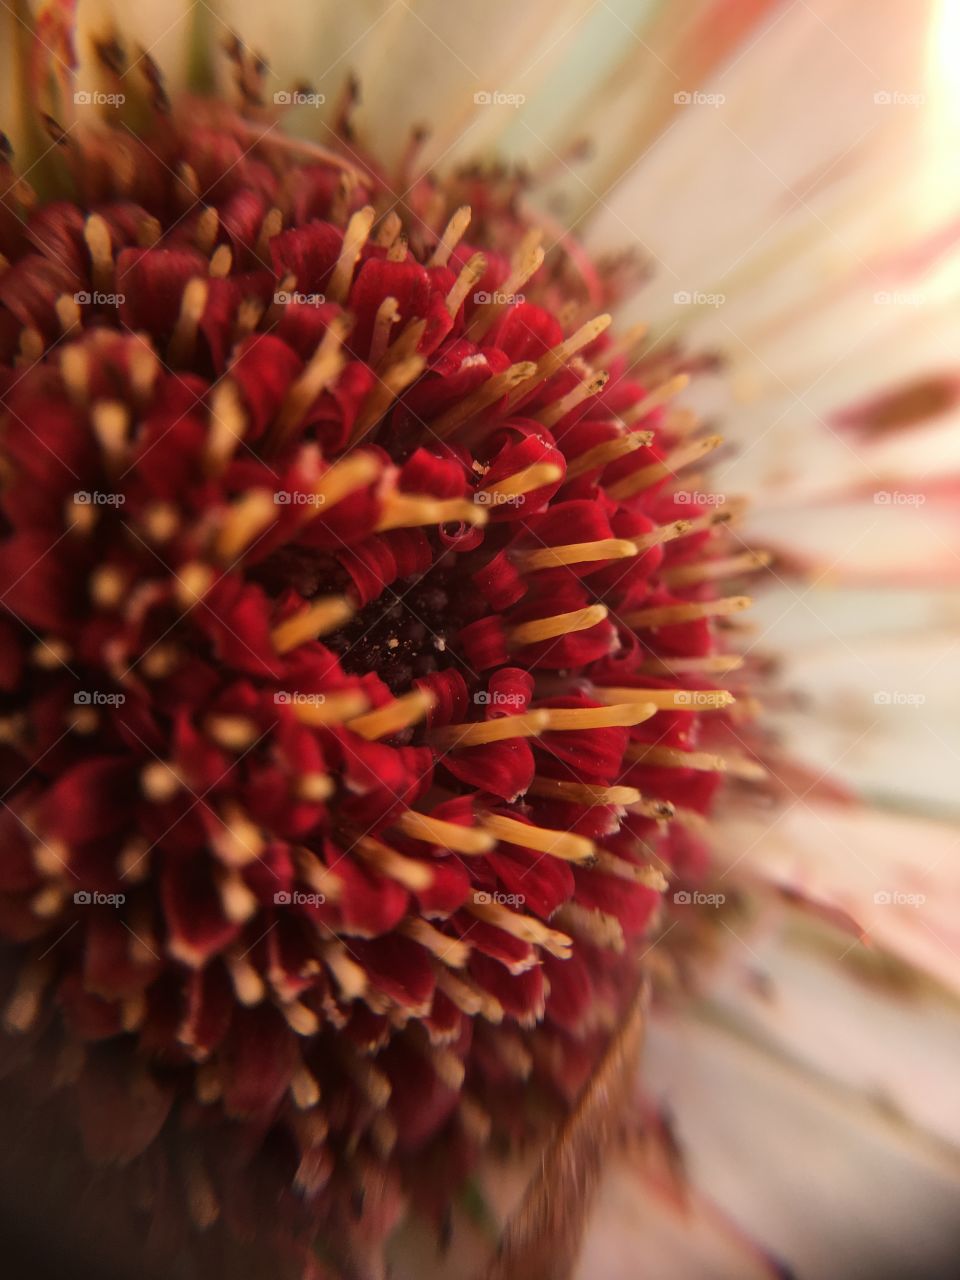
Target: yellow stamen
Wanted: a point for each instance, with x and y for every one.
(388, 314)
(394, 380)
(714, 664)
(649, 876)
(671, 615)
(560, 624)
(560, 844)
(322, 371)
(601, 455)
(658, 396)
(470, 273)
(623, 714)
(573, 553)
(394, 717)
(452, 235)
(583, 793)
(470, 998)
(237, 841)
(710, 570)
(670, 465)
(663, 533)
(345, 477)
(447, 835)
(528, 480)
(192, 306)
(449, 951)
(389, 229)
(528, 260)
(483, 397)
(242, 523)
(228, 424)
(221, 260)
(355, 237)
(526, 928)
(451, 737)
(557, 356)
(413, 875)
(316, 620)
(411, 511)
(96, 233)
(552, 414)
(670, 699)
(702, 761)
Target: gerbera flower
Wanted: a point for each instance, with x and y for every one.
(371, 637)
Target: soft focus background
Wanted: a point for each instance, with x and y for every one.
(786, 171)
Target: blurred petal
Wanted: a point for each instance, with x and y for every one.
(824, 1179)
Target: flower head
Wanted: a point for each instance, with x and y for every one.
(361, 656)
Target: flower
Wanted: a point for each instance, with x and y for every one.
(393, 662)
(358, 648)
